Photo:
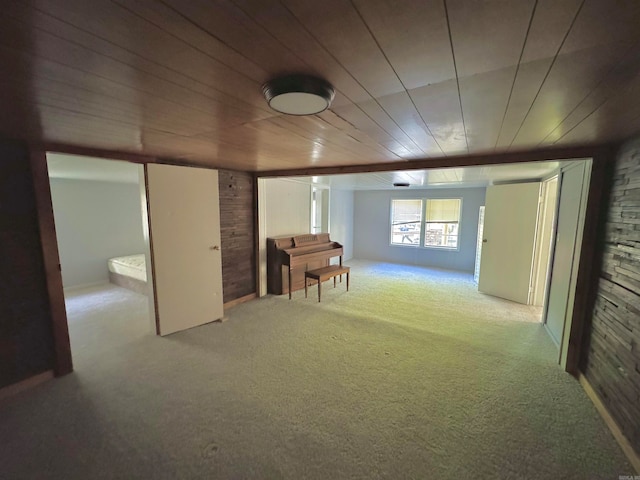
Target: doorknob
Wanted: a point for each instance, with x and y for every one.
(214, 247)
(484, 240)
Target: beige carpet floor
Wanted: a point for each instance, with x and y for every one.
(410, 375)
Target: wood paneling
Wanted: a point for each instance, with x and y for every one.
(414, 79)
(237, 231)
(612, 362)
(26, 346)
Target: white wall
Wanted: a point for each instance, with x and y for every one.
(341, 220)
(284, 208)
(288, 207)
(95, 221)
(371, 240)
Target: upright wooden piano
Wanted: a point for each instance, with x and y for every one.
(288, 257)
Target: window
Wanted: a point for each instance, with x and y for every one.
(442, 223)
(406, 220)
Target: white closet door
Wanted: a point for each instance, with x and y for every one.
(476, 270)
(565, 259)
(184, 221)
(510, 221)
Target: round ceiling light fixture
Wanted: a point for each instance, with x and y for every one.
(298, 94)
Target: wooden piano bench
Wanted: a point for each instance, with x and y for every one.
(323, 274)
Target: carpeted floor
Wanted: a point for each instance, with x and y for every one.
(412, 374)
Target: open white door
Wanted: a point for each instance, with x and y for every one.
(184, 221)
(510, 220)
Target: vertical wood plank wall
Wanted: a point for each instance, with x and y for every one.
(237, 230)
(26, 344)
(612, 363)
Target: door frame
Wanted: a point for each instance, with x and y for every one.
(62, 358)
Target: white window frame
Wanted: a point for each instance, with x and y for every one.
(423, 224)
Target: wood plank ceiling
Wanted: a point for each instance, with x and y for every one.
(415, 79)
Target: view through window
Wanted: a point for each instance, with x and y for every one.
(406, 220)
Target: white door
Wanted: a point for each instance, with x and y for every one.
(510, 220)
(565, 260)
(476, 270)
(184, 221)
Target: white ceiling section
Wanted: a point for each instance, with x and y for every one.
(76, 167)
(463, 177)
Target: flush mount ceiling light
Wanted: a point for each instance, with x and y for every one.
(298, 94)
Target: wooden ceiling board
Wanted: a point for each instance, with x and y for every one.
(348, 130)
(551, 21)
(554, 102)
(414, 79)
(154, 112)
(267, 138)
(319, 131)
(486, 68)
(484, 100)
(550, 24)
(374, 110)
(615, 118)
(311, 148)
(339, 28)
(487, 35)
(616, 80)
(48, 49)
(360, 120)
(602, 45)
(225, 21)
(603, 22)
(143, 47)
(414, 37)
(58, 96)
(401, 109)
(439, 106)
(175, 23)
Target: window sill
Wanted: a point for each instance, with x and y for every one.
(435, 247)
(425, 247)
